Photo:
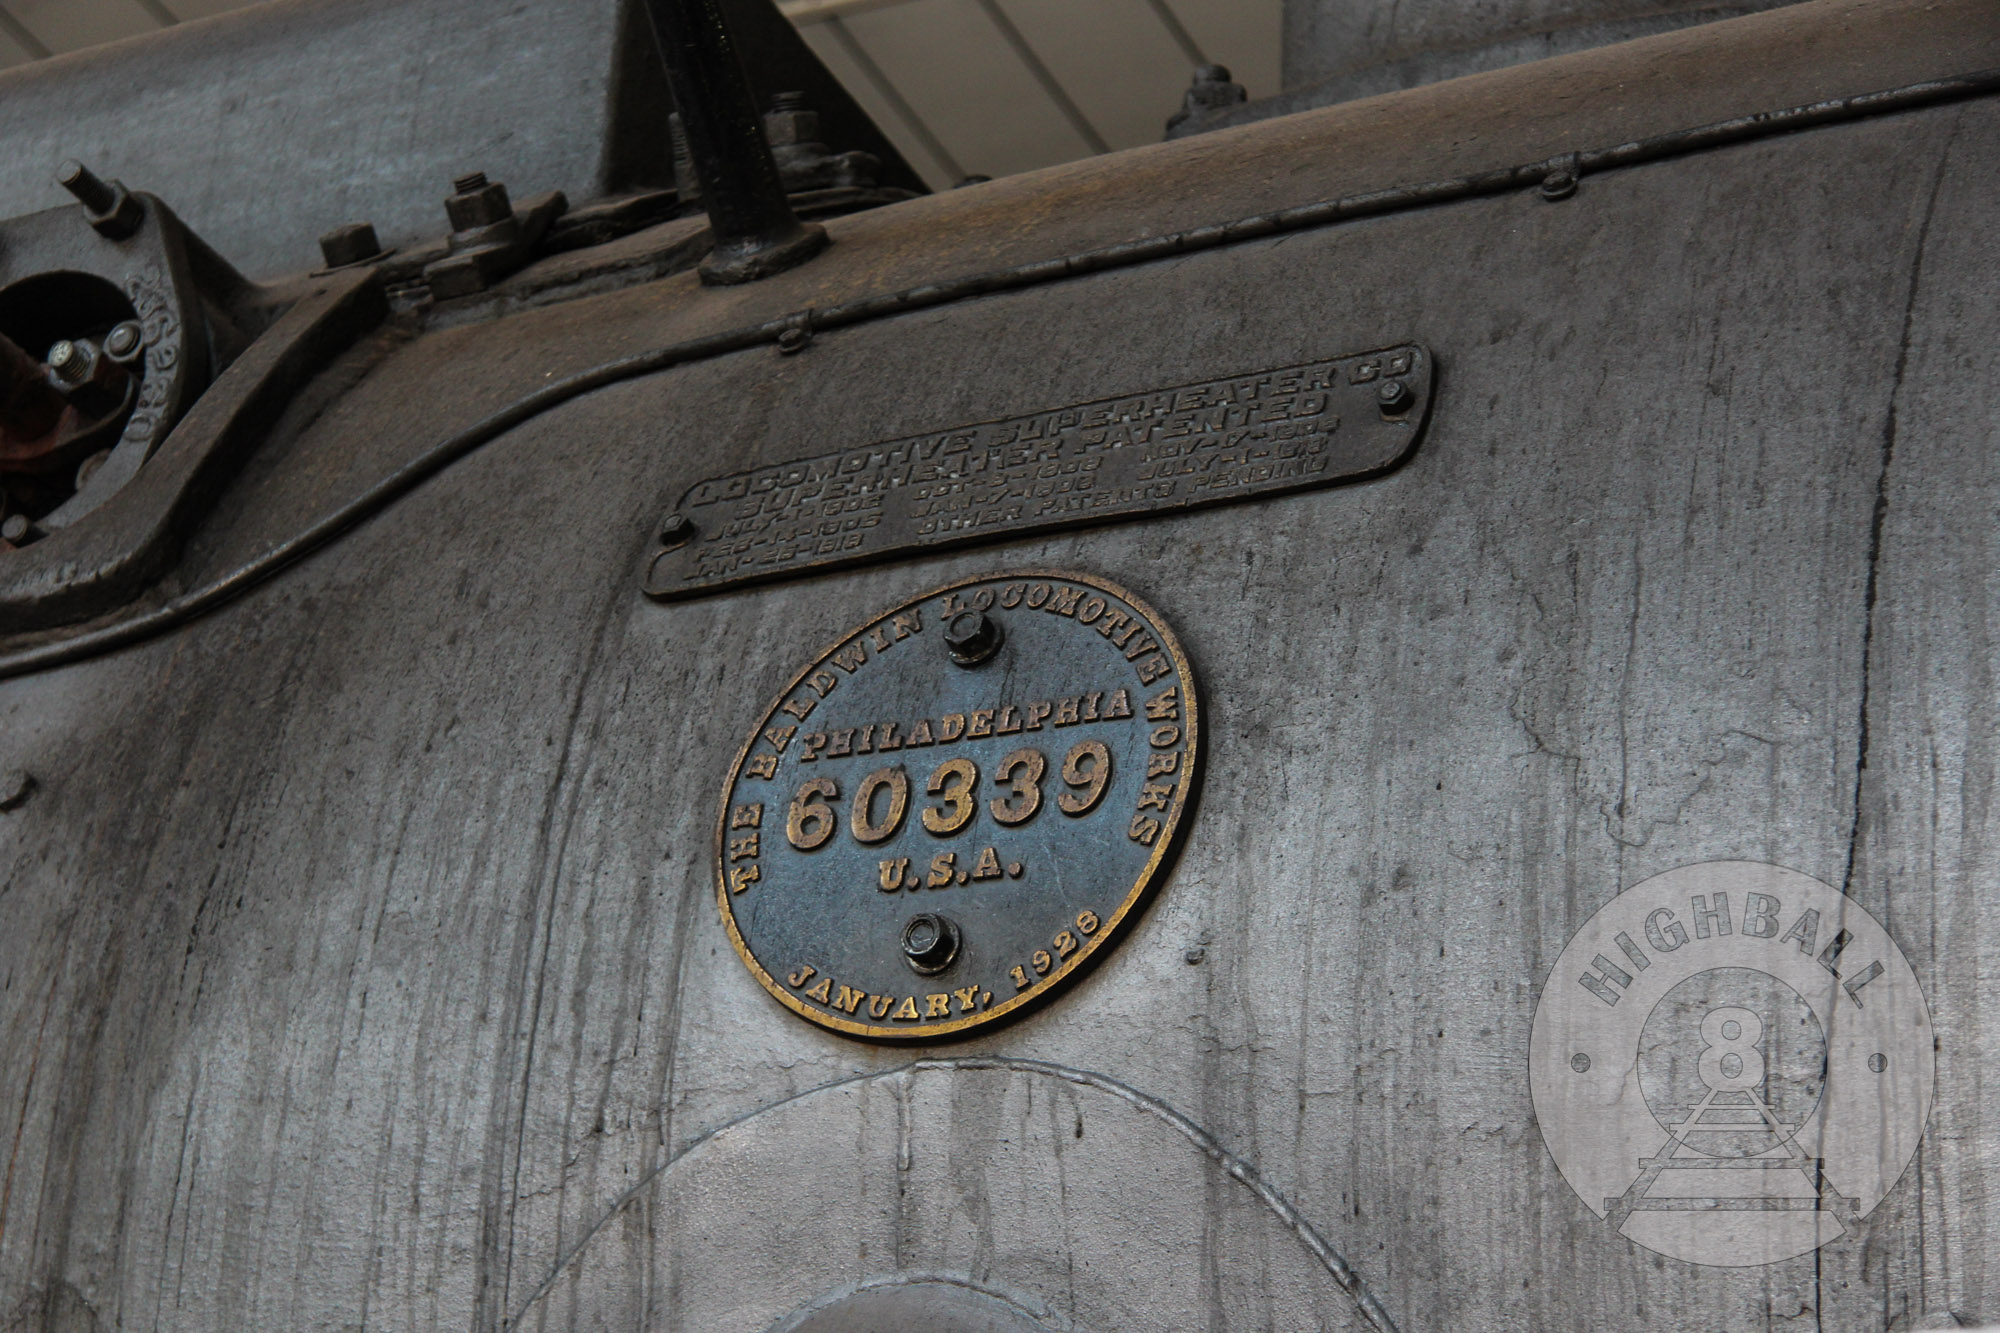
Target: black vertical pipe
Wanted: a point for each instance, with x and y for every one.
(756, 233)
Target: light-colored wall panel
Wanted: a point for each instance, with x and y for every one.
(71, 25)
(187, 10)
(1245, 35)
(824, 39)
(1115, 58)
(12, 52)
(955, 68)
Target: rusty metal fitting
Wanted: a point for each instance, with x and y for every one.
(71, 361)
(930, 942)
(350, 243)
(87, 377)
(971, 637)
(790, 121)
(29, 404)
(475, 203)
(1393, 397)
(109, 206)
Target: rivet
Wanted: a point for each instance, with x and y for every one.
(16, 786)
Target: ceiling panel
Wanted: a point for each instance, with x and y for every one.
(1120, 63)
(1246, 35)
(71, 25)
(201, 9)
(954, 67)
(17, 44)
(840, 51)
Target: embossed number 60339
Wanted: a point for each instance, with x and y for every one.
(882, 799)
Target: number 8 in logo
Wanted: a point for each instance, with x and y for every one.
(1730, 1060)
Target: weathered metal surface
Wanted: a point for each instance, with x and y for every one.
(270, 125)
(1231, 438)
(1336, 52)
(945, 1306)
(405, 1003)
(959, 806)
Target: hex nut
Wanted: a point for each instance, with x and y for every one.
(349, 243)
(930, 943)
(972, 636)
(482, 205)
(676, 529)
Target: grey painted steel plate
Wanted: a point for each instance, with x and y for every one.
(1186, 446)
(952, 810)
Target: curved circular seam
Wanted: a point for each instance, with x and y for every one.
(924, 1276)
(1121, 254)
(1336, 1264)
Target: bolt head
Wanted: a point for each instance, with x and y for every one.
(352, 243)
(786, 127)
(676, 529)
(124, 340)
(1560, 184)
(472, 209)
(930, 943)
(793, 340)
(1394, 396)
(14, 528)
(971, 637)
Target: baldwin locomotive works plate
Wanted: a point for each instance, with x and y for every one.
(945, 817)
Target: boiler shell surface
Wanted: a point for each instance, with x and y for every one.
(359, 962)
